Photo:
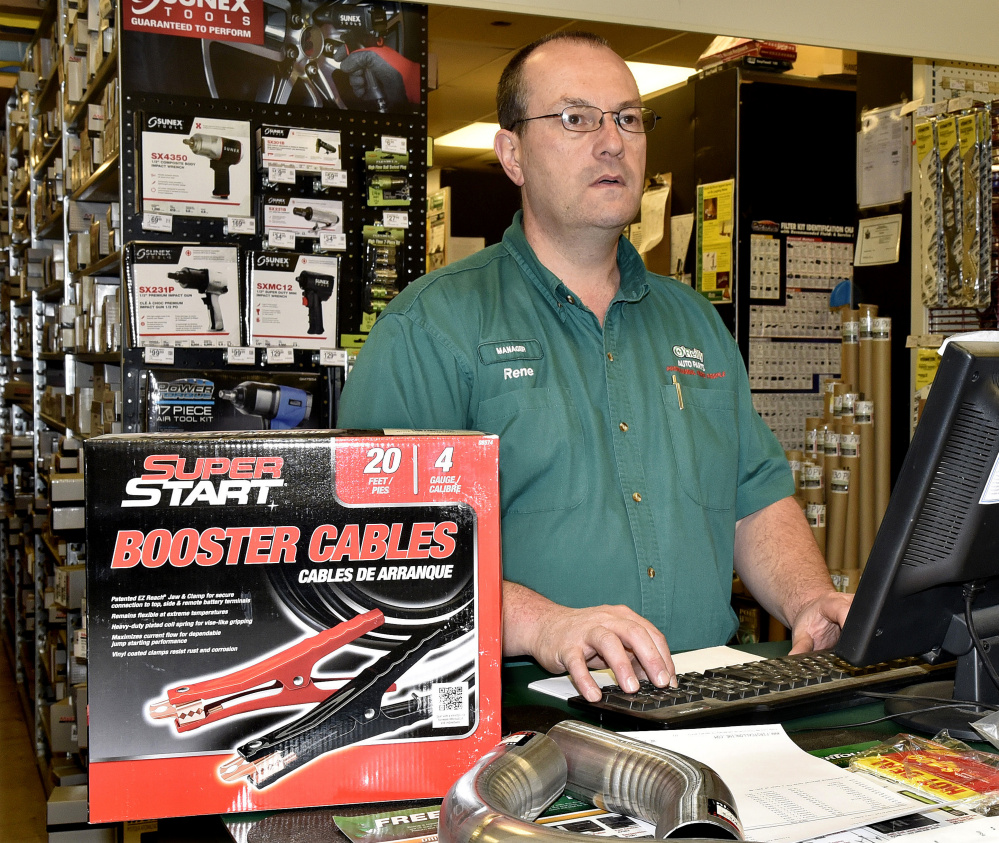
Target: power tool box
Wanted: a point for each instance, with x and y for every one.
(289, 618)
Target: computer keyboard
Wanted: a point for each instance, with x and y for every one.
(757, 692)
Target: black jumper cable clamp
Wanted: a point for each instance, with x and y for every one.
(352, 714)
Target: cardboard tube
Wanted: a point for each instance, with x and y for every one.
(850, 404)
(850, 349)
(849, 449)
(840, 390)
(829, 398)
(815, 514)
(815, 440)
(865, 363)
(836, 502)
(795, 459)
(812, 446)
(831, 439)
(868, 525)
(882, 415)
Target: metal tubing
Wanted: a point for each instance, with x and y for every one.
(497, 800)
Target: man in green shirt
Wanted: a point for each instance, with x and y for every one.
(634, 472)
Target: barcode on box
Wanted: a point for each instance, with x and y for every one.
(449, 704)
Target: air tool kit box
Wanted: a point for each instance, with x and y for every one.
(284, 619)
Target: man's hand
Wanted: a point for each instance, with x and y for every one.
(818, 624)
(778, 560)
(578, 640)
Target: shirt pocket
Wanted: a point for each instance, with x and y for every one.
(541, 440)
(704, 440)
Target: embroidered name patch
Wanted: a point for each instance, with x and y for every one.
(503, 351)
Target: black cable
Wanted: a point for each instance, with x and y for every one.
(955, 703)
(951, 705)
(971, 591)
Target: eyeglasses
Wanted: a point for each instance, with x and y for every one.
(589, 118)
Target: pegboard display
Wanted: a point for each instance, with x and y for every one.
(299, 78)
(959, 79)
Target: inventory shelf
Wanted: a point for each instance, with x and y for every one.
(101, 185)
(47, 542)
(38, 167)
(53, 422)
(48, 226)
(106, 267)
(51, 293)
(49, 84)
(107, 69)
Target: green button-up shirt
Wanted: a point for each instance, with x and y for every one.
(627, 451)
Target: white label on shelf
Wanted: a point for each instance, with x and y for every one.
(162, 356)
(241, 225)
(333, 357)
(395, 219)
(393, 144)
(280, 355)
(281, 175)
(334, 178)
(157, 222)
(335, 242)
(281, 239)
(241, 356)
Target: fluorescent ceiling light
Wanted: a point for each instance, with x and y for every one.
(472, 136)
(651, 79)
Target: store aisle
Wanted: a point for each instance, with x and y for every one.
(22, 798)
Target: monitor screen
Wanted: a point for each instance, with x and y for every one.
(936, 554)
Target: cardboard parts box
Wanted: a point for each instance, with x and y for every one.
(285, 619)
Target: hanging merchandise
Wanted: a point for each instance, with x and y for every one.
(195, 166)
(951, 194)
(286, 218)
(953, 154)
(183, 295)
(293, 299)
(178, 400)
(388, 184)
(930, 215)
(306, 150)
(382, 251)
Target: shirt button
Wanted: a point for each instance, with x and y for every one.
(652, 573)
(637, 498)
(570, 299)
(624, 427)
(610, 357)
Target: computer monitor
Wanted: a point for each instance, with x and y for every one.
(937, 549)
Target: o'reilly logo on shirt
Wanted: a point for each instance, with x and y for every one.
(508, 351)
(689, 358)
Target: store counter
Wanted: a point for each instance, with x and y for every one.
(526, 709)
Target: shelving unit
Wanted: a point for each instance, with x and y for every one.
(70, 369)
(42, 544)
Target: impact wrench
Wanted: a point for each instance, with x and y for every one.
(278, 407)
(222, 153)
(316, 289)
(201, 281)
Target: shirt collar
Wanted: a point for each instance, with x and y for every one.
(634, 285)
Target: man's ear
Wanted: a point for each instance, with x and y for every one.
(508, 150)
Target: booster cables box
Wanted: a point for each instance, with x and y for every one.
(287, 619)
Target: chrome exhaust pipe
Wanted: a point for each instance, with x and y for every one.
(498, 799)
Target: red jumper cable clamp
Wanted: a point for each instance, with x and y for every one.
(279, 680)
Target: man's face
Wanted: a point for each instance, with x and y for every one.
(574, 181)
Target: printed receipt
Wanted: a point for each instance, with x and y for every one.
(783, 794)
